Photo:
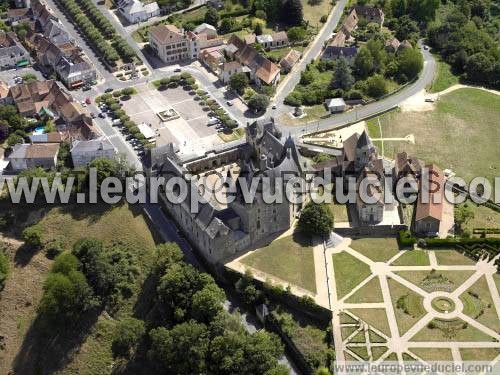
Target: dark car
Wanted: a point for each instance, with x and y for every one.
(102, 115)
(177, 70)
(92, 115)
(109, 89)
(86, 88)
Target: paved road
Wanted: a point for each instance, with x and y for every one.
(312, 53)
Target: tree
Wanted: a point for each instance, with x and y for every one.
(207, 303)
(342, 77)
(410, 62)
(376, 86)
(4, 131)
(212, 17)
(296, 34)
(316, 219)
(65, 263)
(363, 63)
(292, 12)
(181, 350)
(105, 168)
(258, 28)
(129, 332)
(239, 82)
(406, 28)
(258, 103)
(127, 91)
(227, 24)
(463, 214)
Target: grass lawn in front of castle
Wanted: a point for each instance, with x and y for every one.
(290, 259)
(377, 249)
(349, 272)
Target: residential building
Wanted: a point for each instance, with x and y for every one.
(84, 152)
(392, 45)
(16, 15)
(54, 137)
(334, 52)
(55, 32)
(26, 156)
(250, 39)
(12, 53)
(42, 14)
(370, 212)
(22, 3)
(75, 72)
(262, 70)
(228, 70)
(335, 105)
(206, 29)
(213, 58)
(404, 45)
(272, 41)
(169, 43)
(370, 14)
(135, 11)
(289, 60)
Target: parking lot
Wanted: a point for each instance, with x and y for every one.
(190, 131)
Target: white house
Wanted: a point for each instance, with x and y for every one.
(25, 155)
(208, 30)
(135, 11)
(84, 152)
(335, 105)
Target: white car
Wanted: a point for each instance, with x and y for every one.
(229, 103)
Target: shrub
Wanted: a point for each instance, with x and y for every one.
(293, 99)
(316, 219)
(128, 333)
(376, 86)
(55, 247)
(33, 236)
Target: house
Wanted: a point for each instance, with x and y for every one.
(250, 39)
(54, 137)
(42, 14)
(262, 70)
(208, 30)
(335, 105)
(271, 41)
(228, 70)
(169, 43)
(213, 58)
(26, 156)
(404, 45)
(289, 60)
(333, 53)
(12, 53)
(406, 165)
(370, 14)
(217, 4)
(18, 15)
(75, 72)
(198, 42)
(135, 11)
(431, 216)
(84, 152)
(55, 32)
(370, 212)
(392, 45)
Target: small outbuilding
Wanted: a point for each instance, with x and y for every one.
(335, 105)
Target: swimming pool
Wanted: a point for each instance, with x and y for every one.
(38, 130)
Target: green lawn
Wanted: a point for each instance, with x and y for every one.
(413, 303)
(234, 136)
(444, 78)
(290, 259)
(478, 354)
(452, 258)
(449, 281)
(412, 258)
(484, 217)
(459, 134)
(433, 354)
(458, 333)
(339, 212)
(370, 292)
(349, 272)
(376, 318)
(483, 302)
(312, 13)
(377, 249)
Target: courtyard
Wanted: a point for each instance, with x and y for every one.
(188, 123)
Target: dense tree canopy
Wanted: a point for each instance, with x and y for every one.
(316, 219)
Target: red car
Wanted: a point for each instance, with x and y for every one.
(88, 101)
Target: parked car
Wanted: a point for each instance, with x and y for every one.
(88, 101)
(213, 121)
(108, 90)
(430, 100)
(102, 115)
(274, 106)
(116, 122)
(83, 103)
(93, 115)
(177, 70)
(229, 103)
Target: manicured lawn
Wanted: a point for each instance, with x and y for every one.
(450, 280)
(361, 351)
(348, 331)
(339, 212)
(444, 78)
(349, 272)
(484, 217)
(376, 318)
(413, 303)
(312, 13)
(314, 112)
(279, 53)
(478, 354)
(450, 135)
(452, 258)
(433, 354)
(377, 249)
(290, 259)
(458, 333)
(235, 135)
(370, 292)
(378, 351)
(412, 258)
(483, 302)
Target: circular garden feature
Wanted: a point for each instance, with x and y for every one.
(443, 304)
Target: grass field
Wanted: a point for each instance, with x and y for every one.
(458, 333)
(290, 259)
(452, 258)
(234, 136)
(444, 78)
(312, 13)
(478, 354)
(462, 133)
(314, 112)
(370, 292)
(377, 249)
(433, 354)
(484, 217)
(349, 272)
(413, 304)
(374, 317)
(412, 258)
(453, 279)
(483, 302)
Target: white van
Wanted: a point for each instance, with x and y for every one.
(116, 122)
(213, 121)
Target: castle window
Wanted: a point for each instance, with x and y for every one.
(258, 224)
